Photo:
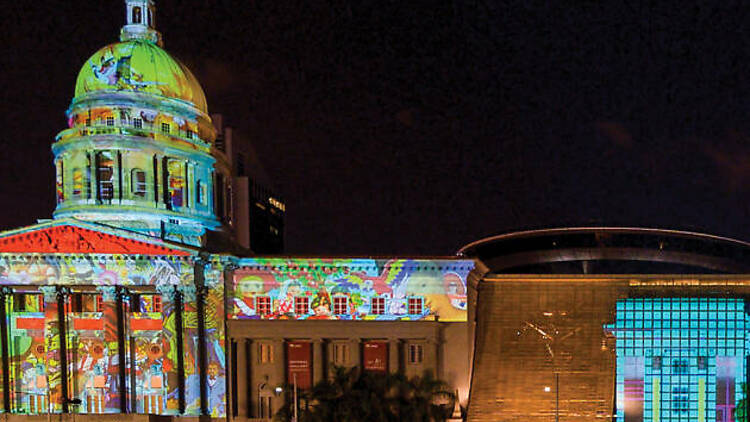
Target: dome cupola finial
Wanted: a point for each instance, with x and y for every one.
(140, 22)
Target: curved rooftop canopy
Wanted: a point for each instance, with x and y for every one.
(610, 250)
(139, 65)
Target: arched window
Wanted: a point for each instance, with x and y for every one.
(199, 194)
(150, 19)
(138, 182)
(77, 182)
(60, 181)
(177, 186)
(105, 176)
(136, 15)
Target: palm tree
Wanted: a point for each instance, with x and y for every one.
(354, 395)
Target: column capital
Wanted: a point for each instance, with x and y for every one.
(109, 293)
(189, 292)
(167, 290)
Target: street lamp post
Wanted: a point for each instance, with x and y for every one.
(296, 405)
(557, 396)
(551, 336)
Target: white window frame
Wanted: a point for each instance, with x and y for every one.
(346, 305)
(383, 309)
(415, 354)
(340, 353)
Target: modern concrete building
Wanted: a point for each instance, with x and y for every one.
(142, 297)
(590, 324)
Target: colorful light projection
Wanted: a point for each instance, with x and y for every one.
(350, 289)
(96, 270)
(139, 66)
(680, 359)
(153, 324)
(69, 238)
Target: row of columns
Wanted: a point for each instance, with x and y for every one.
(248, 374)
(113, 312)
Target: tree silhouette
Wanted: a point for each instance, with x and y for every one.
(354, 395)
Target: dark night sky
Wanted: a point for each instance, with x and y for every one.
(419, 126)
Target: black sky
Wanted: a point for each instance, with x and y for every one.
(419, 126)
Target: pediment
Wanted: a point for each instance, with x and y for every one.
(81, 238)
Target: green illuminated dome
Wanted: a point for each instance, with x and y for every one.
(139, 65)
(138, 152)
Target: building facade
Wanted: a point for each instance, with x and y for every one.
(560, 338)
(142, 296)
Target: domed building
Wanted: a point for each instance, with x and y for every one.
(141, 297)
(138, 151)
(134, 302)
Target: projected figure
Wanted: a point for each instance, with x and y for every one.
(216, 390)
(111, 69)
(286, 302)
(153, 389)
(34, 383)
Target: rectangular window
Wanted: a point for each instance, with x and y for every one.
(138, 182)
(157, 303)
(110, 121)
(415, 305)
(85, 302)
(189, 134)
(340, 354)
(199, 194)
(265, 353)
(137, 123)
(340, 305)
(176, 171)
(416, 354)
(105, 175)
(301, 305)
(88, 122)
(165, 127)
(59, 181)
(263, 305)
(77, 182)
(28, 302)
(377, 306)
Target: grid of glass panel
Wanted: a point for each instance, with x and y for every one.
(679, 359)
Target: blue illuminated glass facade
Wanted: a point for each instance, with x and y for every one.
(680, 359)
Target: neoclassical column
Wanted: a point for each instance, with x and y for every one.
(5, 294)
(190, 353)
(318, 356)
(200, 301)
(394, 358)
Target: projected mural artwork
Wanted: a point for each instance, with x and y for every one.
(136, 370)
(349, 289)
(115, 306)
(681, 359)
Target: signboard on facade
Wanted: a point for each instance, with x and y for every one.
(375, 356)
(299, 363)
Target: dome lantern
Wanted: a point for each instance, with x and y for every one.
(140, 22)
